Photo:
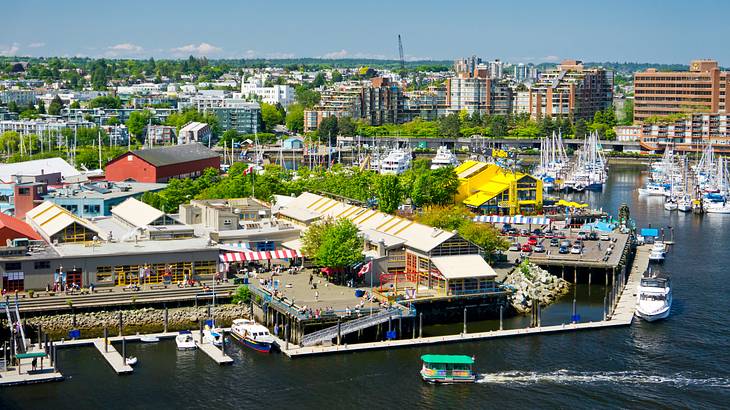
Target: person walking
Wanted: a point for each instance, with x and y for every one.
(316, 295)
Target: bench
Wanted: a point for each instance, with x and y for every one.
(104, 290)
(126, 289)
(158, 286)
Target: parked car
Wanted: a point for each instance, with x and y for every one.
(524, 232)
(532, 240)
(526, 248)
(582, 235)
(515, 246)
(576, 249)
(537, 232)
(538, 248)
(506, 228)
(554, 242)
(563, 250)
(592, 236)
(512, 231)
(560, 234)
(605, 237)
(548, 234)
(565, 243)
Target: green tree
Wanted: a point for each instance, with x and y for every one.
(336, 76)
(9, 141)
(13, 107)
(581, 130)
(328, 129)
(319, 80)
(389, 193)
(448, 218)
(295, 118)
(346, 127)
(306, 97)
(242, 295)
(137, 122)
(271, 116)
(106, 101)
(41, 107)
(628, 112)
(75, 105)
(484, 236)
(334, 244)
(450, 125)
(56, 105)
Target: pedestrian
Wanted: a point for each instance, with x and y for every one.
(34, 363)
(311, 278)
(316, 295)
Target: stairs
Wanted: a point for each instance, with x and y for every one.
(351, 326)
(13, 316)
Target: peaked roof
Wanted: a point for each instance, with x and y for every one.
(174, 154)
(37, 167)
(49, 219)
(22, 228)
(137, 212)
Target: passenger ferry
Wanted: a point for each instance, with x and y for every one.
(438, 368)
(252, 335)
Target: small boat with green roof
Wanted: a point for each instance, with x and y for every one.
(439, 368)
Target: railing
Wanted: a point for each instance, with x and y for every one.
(351, 326)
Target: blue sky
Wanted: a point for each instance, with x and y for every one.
(518, 31)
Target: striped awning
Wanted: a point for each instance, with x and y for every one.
(258, 256)
(517, 219)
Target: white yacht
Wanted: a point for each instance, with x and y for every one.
(670, 204)
(396, 162)
(653, 189)
(252, 335)
(684, 204)
(656, 256)
(444, 158)
(213, 336)
(654, 298)
(717, 207)
(184, 341)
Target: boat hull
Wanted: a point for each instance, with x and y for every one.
(654, 316)
(260, 347)
(448, 380)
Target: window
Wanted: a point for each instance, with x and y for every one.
(103, 274)
(91, 209)
(12, 266)
(42, 265)
(23, 191)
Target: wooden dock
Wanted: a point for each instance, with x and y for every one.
(115, 360)
(622, 315)
(26, 375)
(214, 352)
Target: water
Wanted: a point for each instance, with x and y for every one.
(682, 362)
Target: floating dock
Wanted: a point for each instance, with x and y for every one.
(622, 314)
(110, 354)
(214, 352)
(24, 374)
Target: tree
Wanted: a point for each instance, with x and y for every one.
(581, 130)
(137, 122)
(75, 105)
(13, 107)
(328, 129)
(41, 107)
(9, 141)
(450, 125)
(319, 80)
(484, 236)
(389, 193)
(447, 218)
(346, 127)
(306, 97)
(336, 76)
(56, 105)
(105, 101)
(242, 295)
(295, 118)
(628, 112)
(179, 119)
(113, 121)
(333, 244)
(271, 116)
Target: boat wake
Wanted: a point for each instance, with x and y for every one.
(627, 377)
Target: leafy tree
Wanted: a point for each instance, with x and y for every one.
(271, 116)
(581, 130)
(319, 80)
(628, 112)
(9, 141)
(13, 107)
(113, 121)
(336, 76)
(242, 295)
(41, 107)
(137, 122)
(179, 119)
(75, 105)
(306, 97)
(56, 105)
(450, 125)
(295, 118)
(346, 127)
(328, 129)
(333, 244)
(448, 218)
(389, 193)
(106, 101)
(484, 236)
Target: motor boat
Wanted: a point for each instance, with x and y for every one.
(213, 336)
(130, 361)
(717, 207)
(653, 190)
(252, 335)
(654, 298)
(184, 341)
(656, 256)
(444, 158)
(670, 205)
(396, 162)
(149, 339)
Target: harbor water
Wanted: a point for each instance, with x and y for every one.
(682, 362)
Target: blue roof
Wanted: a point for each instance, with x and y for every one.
(649, 232)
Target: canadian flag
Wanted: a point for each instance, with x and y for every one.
(248, 170)
(365, 268)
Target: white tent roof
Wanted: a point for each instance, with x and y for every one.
(137, 212)
(463, 266)
(37, 167)
(49, 219)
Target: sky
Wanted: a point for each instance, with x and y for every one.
(526, 31)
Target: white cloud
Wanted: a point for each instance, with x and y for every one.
(123, 49)
(36, 45)
(257, 54)
(337, 54)
(347, 54)
(551, 59)
(202, 49)
(10, 50)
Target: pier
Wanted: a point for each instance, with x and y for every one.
(23, 373)
(114, 358)
(216, 353)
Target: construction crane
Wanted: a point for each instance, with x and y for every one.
(400, 51)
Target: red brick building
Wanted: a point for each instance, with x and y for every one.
(27, 196)
(161, 164)
(13, 228)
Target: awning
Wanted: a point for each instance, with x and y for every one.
(258, 256)
(518, 219)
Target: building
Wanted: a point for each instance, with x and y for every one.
(158, 134)
(376, 103)
(194, 132)
(244, 118)
(245, 222)
(466, 66)
(109, 251)
(701, 89)
(162, 163)
(686, 132)
(47, 169)
(22, 98)
(43, 126)
(148, 222)
(627, 133)
(13, 228)
(94, 199)
(478, 91)
(282, 94)
(571, 90)
(490, 189)
(28, 195)
(439, 263)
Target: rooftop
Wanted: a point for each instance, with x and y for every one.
(463, 266)
(104, 190)
(37, 167)
(7, 221)
(174, 154)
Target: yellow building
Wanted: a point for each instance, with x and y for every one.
(491, 189)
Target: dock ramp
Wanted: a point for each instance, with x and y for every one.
(351, 326)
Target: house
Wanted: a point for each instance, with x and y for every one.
(13, 228)
(162, 164)
(491, 189)
(194, 132)
(292, 143)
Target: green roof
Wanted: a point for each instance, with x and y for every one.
(447, 358)
(30, 355)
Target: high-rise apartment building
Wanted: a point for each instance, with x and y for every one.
(571, 90)
(701, 89)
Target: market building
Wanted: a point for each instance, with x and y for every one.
(162, 164)
(491, 189)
